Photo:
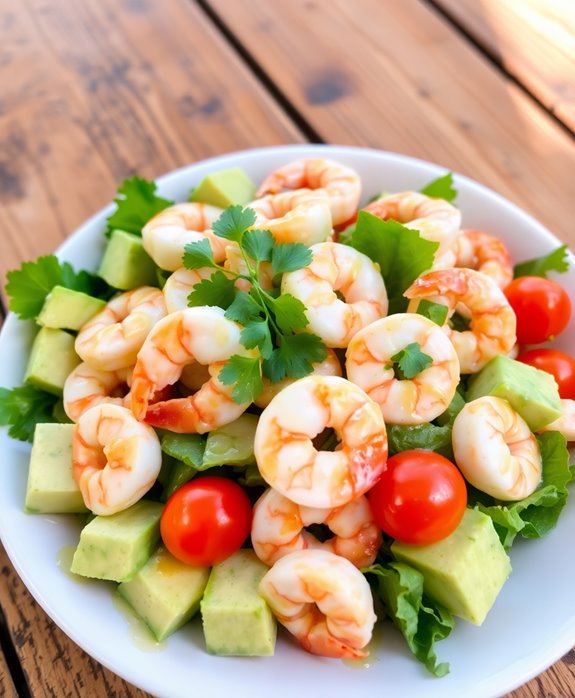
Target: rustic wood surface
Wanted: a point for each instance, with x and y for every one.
(94, 91)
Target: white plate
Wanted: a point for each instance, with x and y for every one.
(531, 625)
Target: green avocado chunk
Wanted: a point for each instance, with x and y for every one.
(115, 547)
(225, 188)
(126, 264)
(51, 360)
(232, 444)
(532, 393)
(465, 571)
(67, 309)
(235, 618)
(51, 487)
(165, 592)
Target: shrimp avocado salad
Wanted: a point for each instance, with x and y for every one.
(276, 403)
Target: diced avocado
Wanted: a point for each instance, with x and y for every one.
(465, 571)
(126, 264)
(165, 592)
(51, 486)
(532, 393)
(51, 360)
(225, 188)
(232, 444)
(115, 547)
(66, 309)
(236, 619)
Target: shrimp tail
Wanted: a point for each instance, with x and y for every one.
(179, 415)
(141, 392)
(438, 282)
(321, 642)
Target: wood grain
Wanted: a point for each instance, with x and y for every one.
(7, 688)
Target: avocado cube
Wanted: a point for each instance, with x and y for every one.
(232, 444)
(235, 618)
(126, 264)
(165, 592)
(115, 547)
(66, 309)
(225, 188)
(465, 571)
(51, 360)
(51, 487)
(532, 393)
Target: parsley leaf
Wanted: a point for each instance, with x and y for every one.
(23, 407)
(245, 372)
(294, 356)
(290, 256)
(244, 308)
(233, 222)
(136, 204)
(198, 255)
(257, 334)
(258, 244)
(441, 188)
(411, 361)
(289, 312)
(557, 260)
(436, 312)
(218, 290)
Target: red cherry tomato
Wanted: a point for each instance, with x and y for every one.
(560, 365)
(420, 498)
(206, 520)
(542, 307)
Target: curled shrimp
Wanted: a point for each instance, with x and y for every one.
(435, 219)
(180, 284)
(115, 458)
(495, 449)
(342, 184)
(278, 528)
(323, 600)
(86, 386)
(421, 398)
(199, 334)
(477, 250)
(565, 424)
(337, 268)
(168, 232)
(492, 322)
(287, 458)
(113, 337)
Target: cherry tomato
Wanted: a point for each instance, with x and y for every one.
(206, 520)
(542, 307)
(420, 498)
(560, 365)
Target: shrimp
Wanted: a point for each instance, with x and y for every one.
(236, 263)
(199, 334)
(566, 423)
(115, 458)
(86, 386)
(113, 337)
(474, 295)
(323, 600)
(295, 216)
(475, 249)
(287, 458)
(341, 184)
(369, 364)
(337, 268)
(435, 219)
(180, 284)
(278, 529)
(168, 232)
(495, 449)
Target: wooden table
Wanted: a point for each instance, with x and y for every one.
(93, 91)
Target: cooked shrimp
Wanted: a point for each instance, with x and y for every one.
(115, 458)
(278, 528)
(341, 184)
(199, 334)
(369, 364)
(323, 600)
(495, 449)
(566, 423)
(435, 219)
(180, 284)
(337, 268)
(477, 250)
(113, 337)
(476, 296)
(287, 458)
(86, 386)
(169, 231)
(295, 216)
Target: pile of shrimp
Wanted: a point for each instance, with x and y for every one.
(147, 341)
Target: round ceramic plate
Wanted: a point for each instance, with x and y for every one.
(531, 625)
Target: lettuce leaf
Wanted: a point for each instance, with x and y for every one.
(425, 436)
(441, 188)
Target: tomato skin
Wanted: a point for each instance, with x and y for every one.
(206, 520)
(559, 364)
(542, 307)
(420, 498)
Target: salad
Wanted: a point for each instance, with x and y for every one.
(279, 313)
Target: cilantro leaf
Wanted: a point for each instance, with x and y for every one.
(218, 290)
(243, 309)
(294, 356)
(233, 222)
(23, 407)
(136, 204)
(198, 255)
(436, 312)
(289, 312)
(411, 361)
(441, 188)
(290, 256)
(258, 244)
(557, 260)
(245, 372)
(257, 334)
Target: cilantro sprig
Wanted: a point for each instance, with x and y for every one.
(557, 260)
(441, 188)
(23, 407)
(136, 202)
(410, 361)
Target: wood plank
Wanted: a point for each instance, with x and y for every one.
(533, 39)
(7, 688)
(405, 81)
(95, 91)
